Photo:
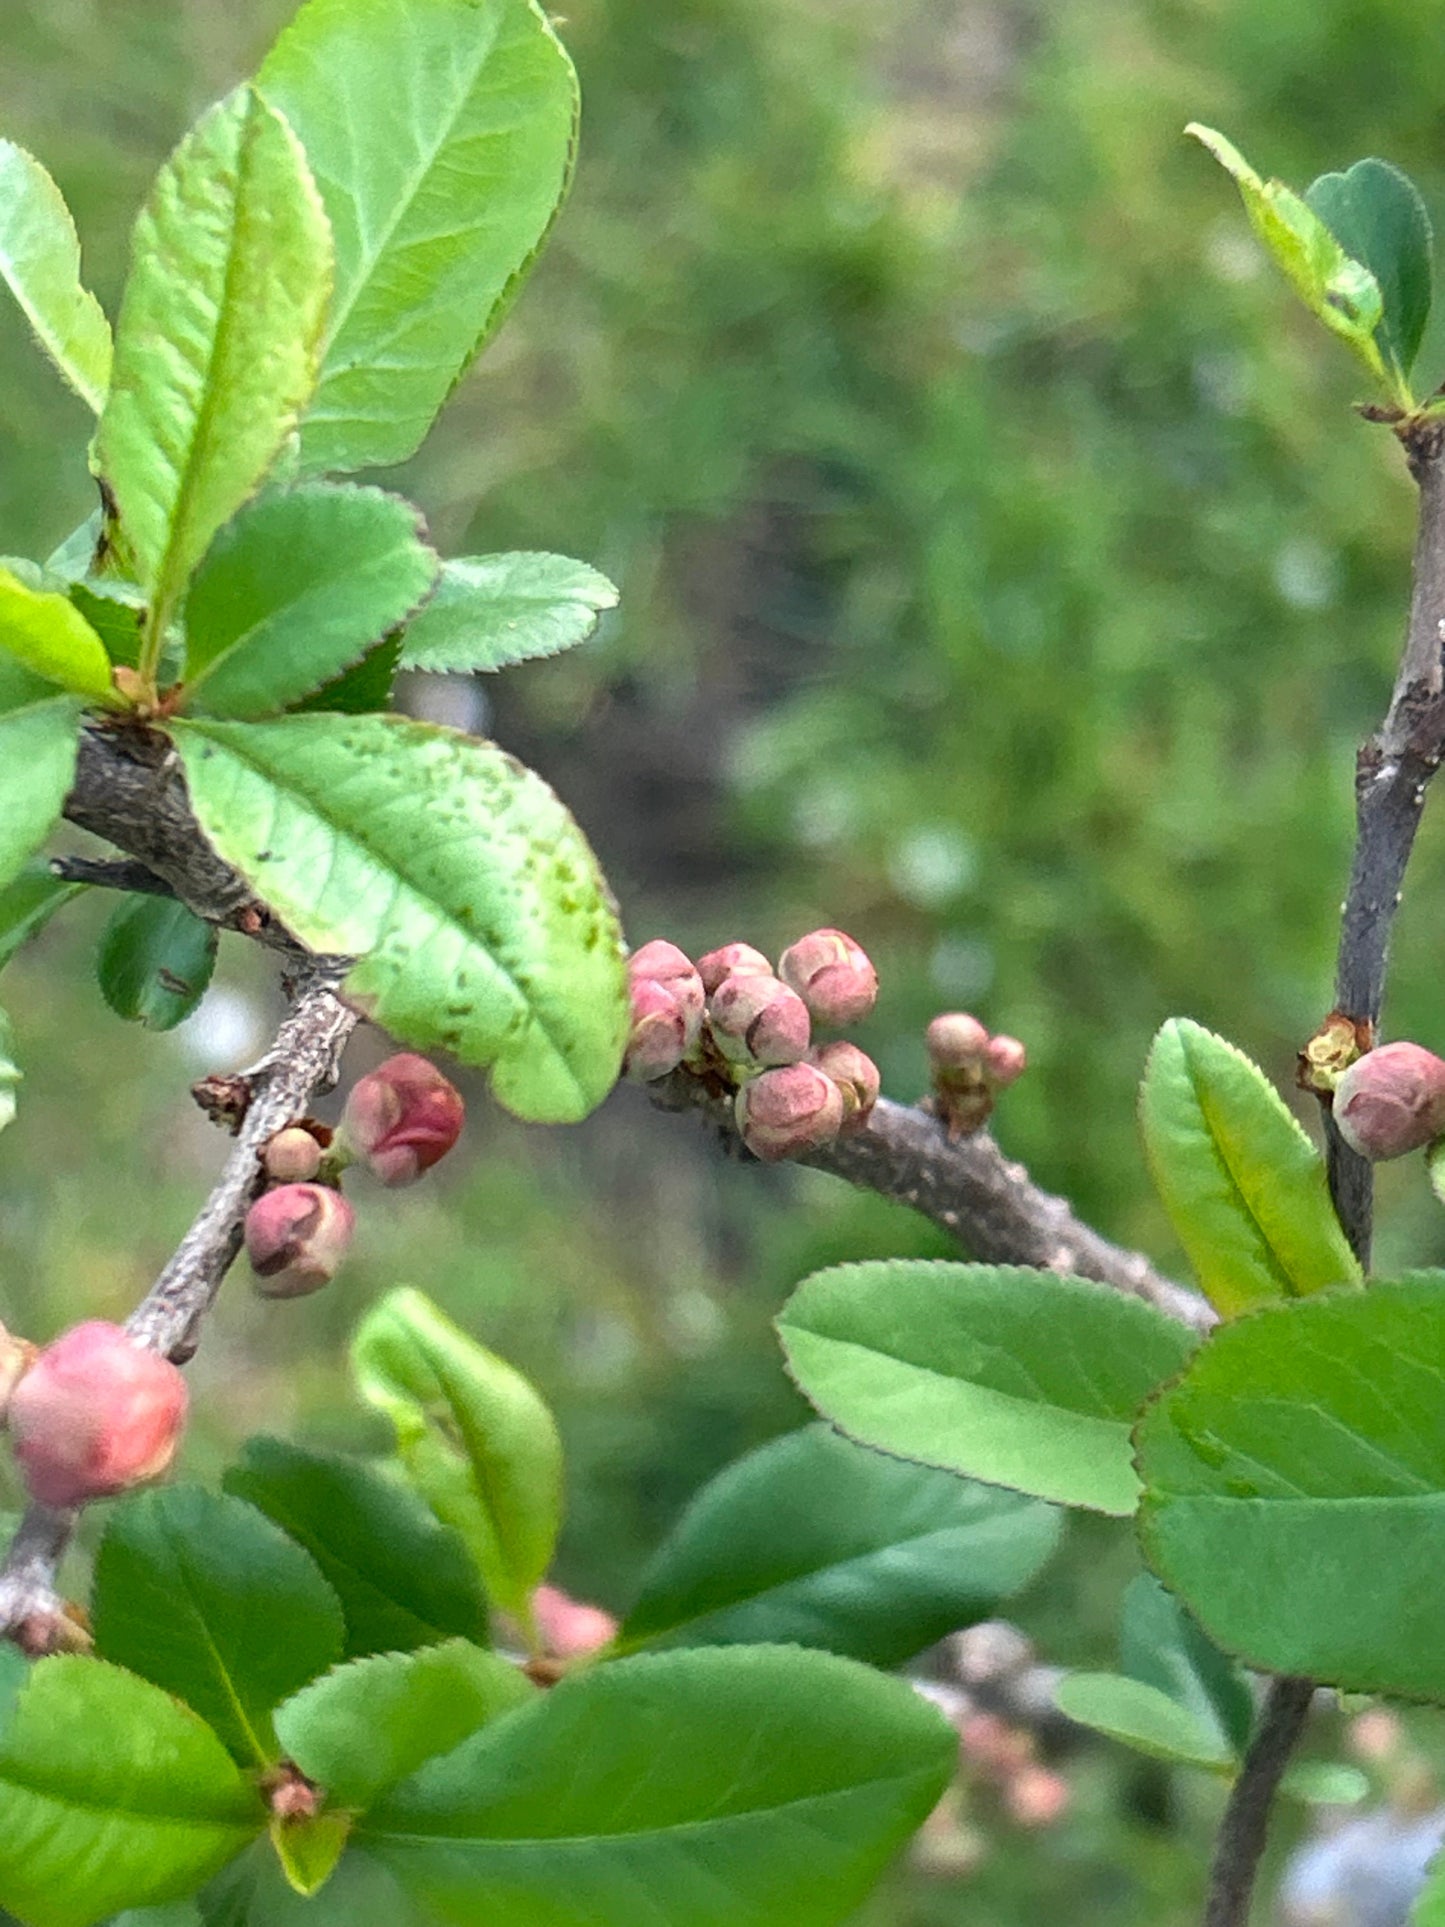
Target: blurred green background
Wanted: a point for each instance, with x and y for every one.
(1005, 578)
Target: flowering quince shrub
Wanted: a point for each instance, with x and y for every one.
(340, 1690)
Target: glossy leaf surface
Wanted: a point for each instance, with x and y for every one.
(492, 610)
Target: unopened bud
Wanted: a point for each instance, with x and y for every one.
(787, 1112)
(1390, 1101)
(292, 1157)
(1037, 1797)
(296, 1238)
(658, 1040)
(95, 1414)
(665, 964)
(732, 960)
(569, 1627)
(956, 1042)
(401, 1118)
(856, 1076)
(1004, 1062)
(759, 1020)
(832, 974)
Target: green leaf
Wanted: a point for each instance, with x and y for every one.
(1296, 1488)
(815, 1541)
(1165, 1647)
(1325, 1783)
(155, 961)
(45, 632)
(28, 904)
(38, 738)
(492, 610)
(363, 689)
(1376, 214)
(455, 875)
(254, 1892)
(404, 1580)
(1142, 1717)
(720, 1787)
(1244, 1187)
(1018, 1377)
(476, 1439)
(202, 1594)
(181, 1913)
(116, 612)
(296, 591)
(309, 1848)
(218, 339)
(368, 1725)
(1340, 291)
(114, 1796)
(40, 263)
(468, 109)
(10, 1072)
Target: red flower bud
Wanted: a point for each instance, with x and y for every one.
(856, 1076)
(569, 1628)
(734, 959)
(786, 1112)
(957, 1042)
(95, 1414)
(292, 1157)
(296, 1238)
(1004, 1062)
(658, 1041)
(1390, 1101)
(665, 964)
(755, 1019)
(833, 976)
(401, 1118)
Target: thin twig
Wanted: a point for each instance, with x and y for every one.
(125, 873)
(1243, 1830)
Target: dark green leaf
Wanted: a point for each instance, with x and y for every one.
(363, 689)
(1376, 214)
(468, 108)
(155, 961)
(205, 1596)
(492, 610)
(724, 1787)
(475, 1437)
(28, 904)
(1165, 1646)
(115, 610)
(816, 1541)
(40, 262)
(455, 875)
(1019, 1377)
(296, 591)
(403, 1579)
(1295, 1483)
(254, 1892)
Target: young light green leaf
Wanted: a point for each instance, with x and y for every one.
(40, 263)
(50, 637)
(493, 610)
(155, 961)
(114, 1796)
(365, 1726)
(203, 1595)
(296, 591)
(1339, 290)
(308, 1848)
(10, 1073)
(1165, 1647)
(1144, 1718)
(816, 1541)
(1325, 1783)
(218, 339)
(404, 1580)
(1376, 214)
(1295, 1483)
(38, 736)
(469, 109)
(456, 877)
(732, 1787)
(1018, 1377)
(1244, 1187)
(476, 1439)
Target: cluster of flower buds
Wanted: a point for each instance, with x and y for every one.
(399, 1120)
(1391, 1101)
(92, 1414)
(733, 1018)
(969, 1068)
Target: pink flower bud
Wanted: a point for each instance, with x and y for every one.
(1004, 1062)
(833, 976)
(957, 1042)
(570, 1628)
(1037, 1797)
(786, 1112)
(733, 960)
(401, 1118)
(856, 1076)
(658, 1041)
(296, 1238)
(95, 1414)
(1390, 1101)
(665, 964)
(292, 1157)
(756, 1019)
